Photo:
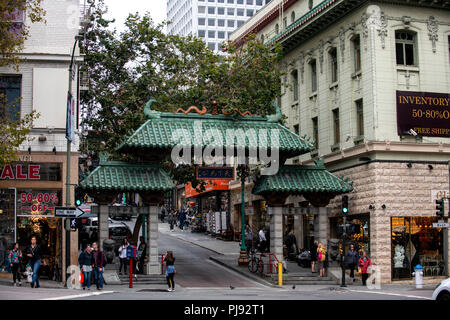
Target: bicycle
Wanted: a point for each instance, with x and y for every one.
(256, 264)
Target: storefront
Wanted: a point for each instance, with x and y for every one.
(212, 206)
(415, 241)
(358, 232)
(29, 193)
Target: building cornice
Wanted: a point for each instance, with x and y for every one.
(384, 147)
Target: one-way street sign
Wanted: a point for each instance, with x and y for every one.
(68, 212)
(441, 225)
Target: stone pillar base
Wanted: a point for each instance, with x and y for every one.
(153, 268)
(243, 260)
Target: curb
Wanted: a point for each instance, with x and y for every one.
(245, 274)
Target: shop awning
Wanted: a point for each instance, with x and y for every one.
(117, 175)
(215, 185)
(296, 179)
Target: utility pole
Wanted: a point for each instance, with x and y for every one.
(344, 233)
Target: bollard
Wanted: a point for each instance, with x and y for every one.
(131, 273)
(280, 274)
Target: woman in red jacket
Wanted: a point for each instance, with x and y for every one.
(364, 263)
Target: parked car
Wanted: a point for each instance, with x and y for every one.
(117, 230)
(120, 216)
(442, 292)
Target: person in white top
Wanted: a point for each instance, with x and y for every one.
(262, 240)
(123, 256)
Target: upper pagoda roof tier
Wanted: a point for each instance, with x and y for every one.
(251, 131)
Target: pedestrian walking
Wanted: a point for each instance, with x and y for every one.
(321, 256)
(163, 213)
(181, 218)
(171, 219)
(313, 251)
(351, 261)
(364, 263)
(97, 263)
(142, 254)
(34, 253)
(248, 239)
(262, 239)
(170, 270)
(85, 262)
(123, 256)
(15, 260)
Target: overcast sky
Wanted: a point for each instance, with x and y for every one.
(119, 9)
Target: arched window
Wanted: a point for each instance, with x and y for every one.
(277, 28)
(406, 47)
(292, 16)
(311, 3)
(262, 38)
(294, 79)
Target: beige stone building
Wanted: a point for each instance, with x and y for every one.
(369, 82)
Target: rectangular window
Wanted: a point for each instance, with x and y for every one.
(240, 23)
(405, 42)
(211, 34)
(220, 1)
(231, 23)
(230, 11)
(315, 124)
(249, 13)
(221, 34)
(357, 54)
(201, 9)
(240, 1)
(221, 11)
(359, 118)
(10, 90)
(259, 2)
(212, 46)
(313, 68)
(201, 21)
(297, 129)
(333, 65)
(201, 33)
(240, 12)
(294, 76)
(211, 22)
(211, 10)
(230, 1)
(221, 23)
(337, 133)
(250, 2)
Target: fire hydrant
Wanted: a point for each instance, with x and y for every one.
(418, 273)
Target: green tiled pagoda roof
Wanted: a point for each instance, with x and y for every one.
(156, 133)
(295, 179)
(116, 175)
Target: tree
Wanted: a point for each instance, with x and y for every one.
(13, 35)
(13, 31)
(126, 69)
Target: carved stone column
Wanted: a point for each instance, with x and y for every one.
(103, 199)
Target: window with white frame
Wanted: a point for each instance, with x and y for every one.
(294, 80)
(332, 55)
(313, 71)
(356, 43)
(405, 47)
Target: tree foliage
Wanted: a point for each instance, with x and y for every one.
(13, 33)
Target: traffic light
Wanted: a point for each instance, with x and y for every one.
(78, 197)
(440, 207)
(344, 205)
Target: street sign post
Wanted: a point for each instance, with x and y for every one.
(68, 212)
(131, 255)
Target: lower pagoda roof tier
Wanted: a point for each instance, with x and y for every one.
(298, 180)
(157, 132)
(122, 176)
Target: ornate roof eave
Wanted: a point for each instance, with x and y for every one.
(313, 22)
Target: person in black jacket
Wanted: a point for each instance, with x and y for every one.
(313, 251)
(351, 261)
(34, 253)
(85, 261)
(142, 254)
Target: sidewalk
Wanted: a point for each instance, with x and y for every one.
(226, 253)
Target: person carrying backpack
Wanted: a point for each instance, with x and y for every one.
(15, 260)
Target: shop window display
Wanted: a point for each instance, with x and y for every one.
(415, 241)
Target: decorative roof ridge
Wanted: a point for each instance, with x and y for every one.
(201, 114)
(116, 163)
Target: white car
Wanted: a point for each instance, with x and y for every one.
(442, 292)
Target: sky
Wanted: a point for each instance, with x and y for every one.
(119, 9)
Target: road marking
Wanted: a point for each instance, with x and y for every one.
(390, 294)
(79, 295)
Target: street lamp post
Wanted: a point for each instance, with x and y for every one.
(243, 259)
(69, 141)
